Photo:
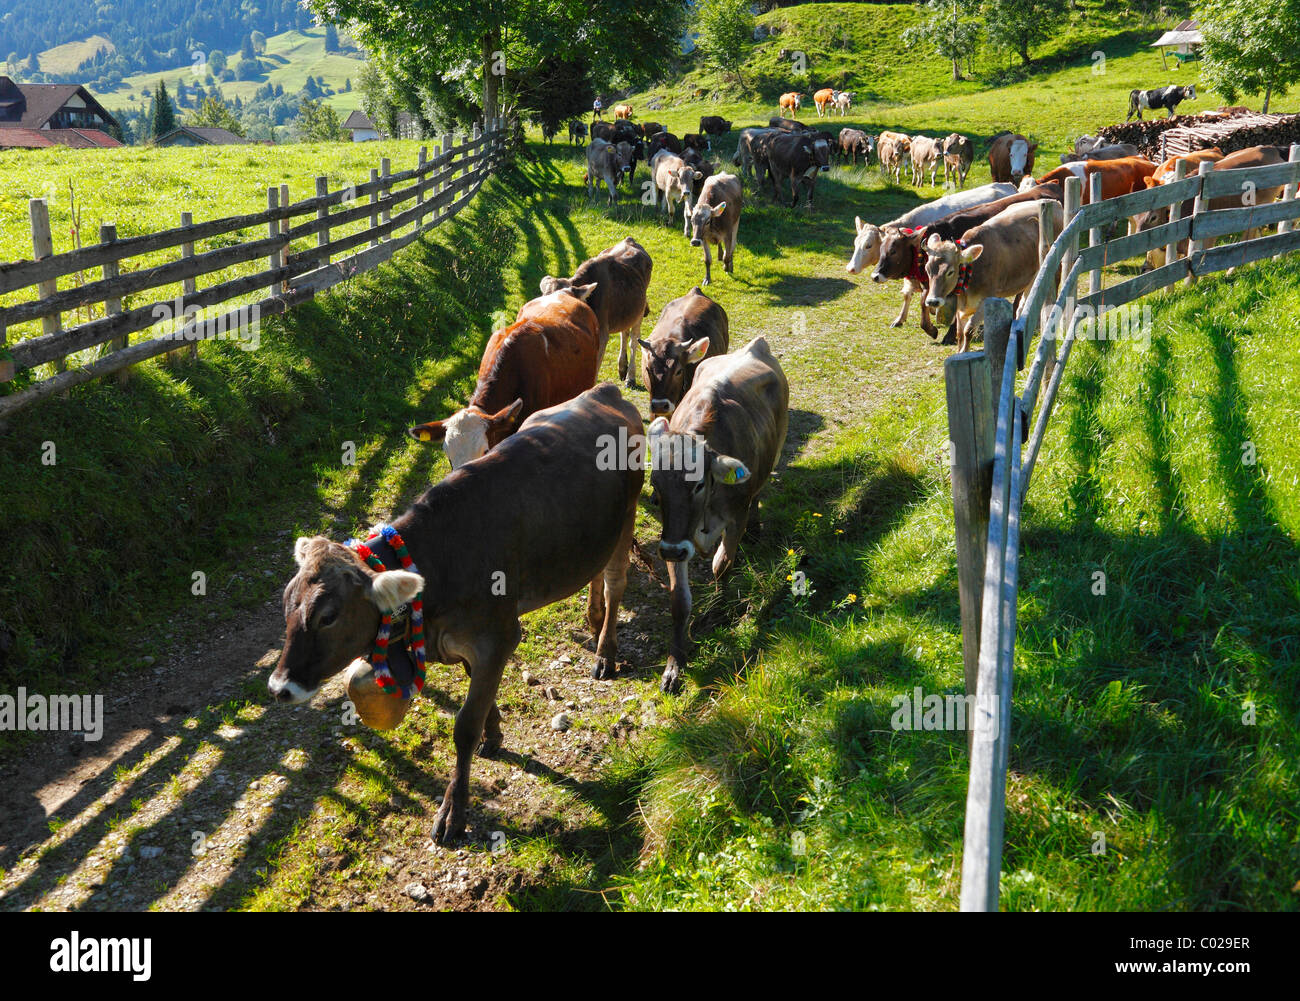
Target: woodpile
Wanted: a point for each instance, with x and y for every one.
(1229, 129)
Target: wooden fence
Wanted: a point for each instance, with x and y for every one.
(993, 457)
(393, 209)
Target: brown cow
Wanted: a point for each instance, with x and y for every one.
(1255, 156)
(996, 258)
(1011, 157)
(900, 255)
(708, 464)
(893, 148)
(797, 157)
(663, 140)
(525, 526)
(925, 152)
(621, 275)
(622, 111)
(855, 141)
(691, 328)
(1118, 177)
(676, 179)
(958, 156)
(713, 125)
(695, 141)
(788, 124)
(650, 128)
(1165, 172)
(548, 355)
(715, 218)
(823, 100)
(789, 103)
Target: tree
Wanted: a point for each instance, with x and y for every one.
(162, 114)
(1250, 47)
(216, 114)
(377, 99)
(331, 38)
(216, 62)
(726, 30)
(246, 48)
(258, 41)
(1018, 25)
(248, 69)
(951, 31)
(318, 122)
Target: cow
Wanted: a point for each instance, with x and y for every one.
(663, 140)
(603, 164)
(843, 101)
(788, 125)
(866, 246)
(1118, 177)
(537, 511)
(1011, 157)
(996, 258)
(676, 179)
(1254, 156)
(893, 150)
(798, 158)
(695, 141)
(751, 152)
(621, 275)
(899, 254)
(823, 100)
(704, 170)
(925, 152)
(1162, 97)
(958, 156)
(577, 133)
(1114, 151)
(691, 328)
(650, 128)
(1165, 172)
(623, 111)
(617, 131)
(790, 103)
(715, 218)
(929, 212)
(708, 463)
(954, 225)
(549, 129)
(550, 354)
(855, 141)
(713, 125)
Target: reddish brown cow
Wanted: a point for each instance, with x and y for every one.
(790, 102)
(1165, 172)
(1011, 157)
(1118, 177)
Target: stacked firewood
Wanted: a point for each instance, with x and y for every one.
(1159, 138)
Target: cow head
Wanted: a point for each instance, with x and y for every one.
(685, 472)
(898, 250)
(332, 608)
(866, 246)
(469, 432)
(1155, 257)
(1022, 158)
(701, 216)
(821, 152)
(664, 366)
(627, 156)
(943, 267)
(1189, 92)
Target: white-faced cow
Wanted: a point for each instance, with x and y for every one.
(528, 524)
(843, 101)
(1011, 157)
(676, 179)
(548, 355)
(1162, 97)
(714, 220)
(621, 275)
(691, 328)
(708, 463)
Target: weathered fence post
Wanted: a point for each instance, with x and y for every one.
(374, 206)
(1045, 331)
(276, 259)
(386, 214)
(420, 163)
(113, 304)
(448, 140)
(1289, 194)
(285, 226)
(1175, 210)
(6, 363)
(1095, 235)
(1194, 246)
(43, 247)
(322, 220)
(189, 286)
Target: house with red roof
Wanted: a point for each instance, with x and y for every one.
(40, 115)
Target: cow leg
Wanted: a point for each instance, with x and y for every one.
(596, 604)
(730, 248)
(926, 324)
(686, 217)
(484, 680)
(627, 341)
(679, 587)
(708, 262)
(725, 557)
(901, 318)
(614, 577)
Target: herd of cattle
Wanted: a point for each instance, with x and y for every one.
(548, 467)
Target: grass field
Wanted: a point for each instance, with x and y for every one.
(67, 57)
(1155, 750)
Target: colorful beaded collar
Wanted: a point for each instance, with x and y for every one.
(379, 652)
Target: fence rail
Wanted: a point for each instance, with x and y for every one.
(439, 187)
(991, 474)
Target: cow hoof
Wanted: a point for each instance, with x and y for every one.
(671, 682)
(448, 825)
(489, 748)
(897, 323)
(707, 282)
(630, 382)
(604, 669)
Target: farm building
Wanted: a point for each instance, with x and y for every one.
(1183, 42)
(38, 115)
(364, 130)
(195, 135)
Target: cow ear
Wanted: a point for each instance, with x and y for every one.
(549, 284)
(645, 345)
(392, 589)
(696, 351)
(698, 175)
(934, 243)
(857, 223)
(727, 470)
(1150, 182)
(583, 292)
(506, 417)
(972, 253)
(719, 208)
(658, 428)
(301, 547)
(433, 431)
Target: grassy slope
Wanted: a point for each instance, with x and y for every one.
(290, 57)
(67, 57)
(1128, 707)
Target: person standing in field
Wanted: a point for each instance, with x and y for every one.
(596, 110)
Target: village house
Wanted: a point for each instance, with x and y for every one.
(200, 135)
(39, 115)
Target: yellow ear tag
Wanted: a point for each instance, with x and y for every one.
(425, 436)
(734, 476)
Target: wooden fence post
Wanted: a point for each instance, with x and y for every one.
(189, 286)
(322, 219)
(113, 304)
(1095, 235)
(1045, 241)
(1175, 210)
(386, 169)
(1289, 194)
(275, 260)
(1194, 246)
(448, 140)
(6, 363)
(374, 205)
(285, 226)
(43, 247)
(420, 162)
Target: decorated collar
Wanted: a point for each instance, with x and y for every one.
(963, 270)
(379, 653)
(916, 274)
